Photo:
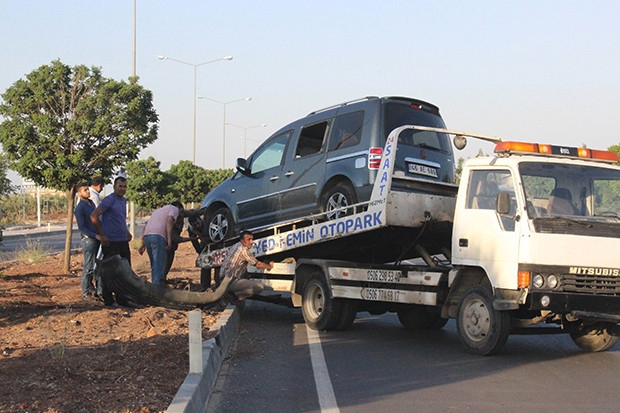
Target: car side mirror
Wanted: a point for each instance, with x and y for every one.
(502, 205)
(242, 166)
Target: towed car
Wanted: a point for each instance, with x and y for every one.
(325, 162)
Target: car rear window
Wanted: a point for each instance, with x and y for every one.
(399, 114)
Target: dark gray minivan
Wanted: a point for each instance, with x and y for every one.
(324, 162)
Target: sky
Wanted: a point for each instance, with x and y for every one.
(541, 71)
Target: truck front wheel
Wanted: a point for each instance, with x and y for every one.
(482, 329)
(321, 311)
(593, 337)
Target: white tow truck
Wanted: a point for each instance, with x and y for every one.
(527, 243)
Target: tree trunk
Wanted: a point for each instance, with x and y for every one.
(69, 234)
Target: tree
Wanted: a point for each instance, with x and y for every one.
(148, 186)
(192, 182)
(66, 124)
(5, 183)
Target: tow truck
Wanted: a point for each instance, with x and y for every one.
(525, 244)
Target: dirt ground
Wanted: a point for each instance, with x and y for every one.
(60, 353)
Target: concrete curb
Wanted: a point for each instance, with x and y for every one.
(196, 389)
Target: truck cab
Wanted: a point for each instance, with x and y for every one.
(539, 225)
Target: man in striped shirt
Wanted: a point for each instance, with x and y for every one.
(235, 265)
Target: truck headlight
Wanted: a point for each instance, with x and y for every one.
(552, 281)
(538, 281)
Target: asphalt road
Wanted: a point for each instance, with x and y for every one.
(52, 240)
(377, 366)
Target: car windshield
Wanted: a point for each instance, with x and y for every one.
(555, 189)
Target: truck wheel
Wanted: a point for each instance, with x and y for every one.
(220, 225)
(320, 310)
(340, 196)
(417, 317)
(482, 329)
(593, 337)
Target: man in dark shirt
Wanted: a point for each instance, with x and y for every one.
(89, 242)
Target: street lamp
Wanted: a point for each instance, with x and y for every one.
(195, 65)
(245, 130)
(224, 123)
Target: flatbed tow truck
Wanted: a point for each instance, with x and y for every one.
(526, 243)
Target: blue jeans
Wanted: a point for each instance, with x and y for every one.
(90, 247)
(156, 248)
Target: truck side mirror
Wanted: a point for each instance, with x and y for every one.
(242, 166)
(503, 203)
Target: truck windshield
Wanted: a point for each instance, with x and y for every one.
(556, 189)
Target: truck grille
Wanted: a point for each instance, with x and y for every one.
(591, 284)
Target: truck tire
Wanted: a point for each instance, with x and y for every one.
(340, 196)
(321, 311)
(482, 329)
(418, 317)
(593, 337)
(220, 225)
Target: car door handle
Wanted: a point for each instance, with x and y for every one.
(274, 178)
(289, 173)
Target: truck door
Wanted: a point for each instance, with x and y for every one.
(483, 237)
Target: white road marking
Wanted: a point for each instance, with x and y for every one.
(327, 399)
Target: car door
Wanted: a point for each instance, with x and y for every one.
(258, 199)
(304, 169)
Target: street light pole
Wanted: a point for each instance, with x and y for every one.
(195, 65)
(224, 123)
(245, 131)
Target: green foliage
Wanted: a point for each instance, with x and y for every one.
(147, 185)
(217, 176)
(191, 181)
(15, 208)
(616, 149)
(151, 188)
(5, 183)
(66, 124)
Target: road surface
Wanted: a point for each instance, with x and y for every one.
(378, 366)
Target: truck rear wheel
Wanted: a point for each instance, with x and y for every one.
(593, 337)
(417, 317)
(482, 329)
(321, 311)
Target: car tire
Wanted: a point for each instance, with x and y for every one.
(220, 225)
(336, 199)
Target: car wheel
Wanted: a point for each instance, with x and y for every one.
(336, 201)
(220, 225)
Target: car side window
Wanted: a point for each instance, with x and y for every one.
(270, 155)
(347, 130)
(311, 139)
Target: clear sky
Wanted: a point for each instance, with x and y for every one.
(543, 71)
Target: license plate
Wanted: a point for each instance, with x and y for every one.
(377, 294)
(414, 168)
(389, 276)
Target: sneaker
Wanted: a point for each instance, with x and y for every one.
(88, 297)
